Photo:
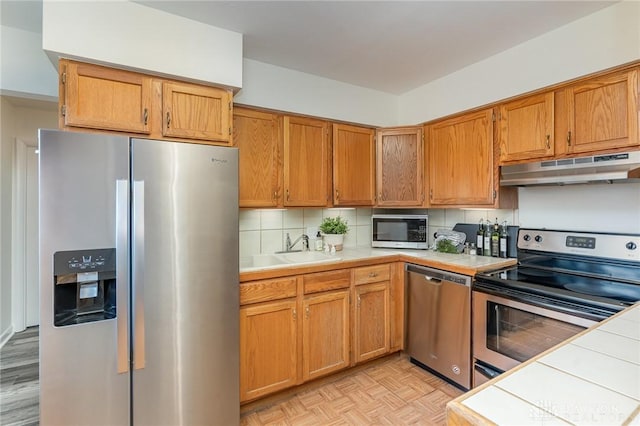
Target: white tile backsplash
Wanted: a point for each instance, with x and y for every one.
(264, 231)
(272, 219)
(293, 218)
(271, 240)
(249, 220)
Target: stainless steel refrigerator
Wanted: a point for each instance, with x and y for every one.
(138, 281)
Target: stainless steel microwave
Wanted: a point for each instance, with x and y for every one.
(400, 231)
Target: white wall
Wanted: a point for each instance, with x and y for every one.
(598, 207)
(601, 40)
(137, 37)
(284, 89)
(25, 69)
(19, 120)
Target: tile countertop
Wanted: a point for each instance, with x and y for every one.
(348, 258)
(592, 378)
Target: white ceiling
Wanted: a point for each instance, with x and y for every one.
(390, 46)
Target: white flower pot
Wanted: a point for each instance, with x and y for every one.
(334, 240)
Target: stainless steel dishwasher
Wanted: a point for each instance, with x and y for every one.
(439, 322)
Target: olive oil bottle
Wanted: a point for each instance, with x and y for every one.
(480, 237)
(495, 239)
(504, 239)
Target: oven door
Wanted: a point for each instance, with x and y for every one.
(507, 332)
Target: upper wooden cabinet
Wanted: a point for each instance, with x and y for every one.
(102, 98)
(106, 99)
(526, 128)
(399, 171)
(353, 166)
(196, 112)
(461, 162)
(601, 114)
(306, 162)
(257, 136)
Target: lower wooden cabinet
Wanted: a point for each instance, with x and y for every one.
(298, 328)
(268, 348)
(372, 321)
(325, 341)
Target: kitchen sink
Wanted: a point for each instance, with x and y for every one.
(307, 257)
(287, 258)
(264, 260)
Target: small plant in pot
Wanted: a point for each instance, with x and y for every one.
(333, 229)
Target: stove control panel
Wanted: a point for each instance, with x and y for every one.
(613, 246)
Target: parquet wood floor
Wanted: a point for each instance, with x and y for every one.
(394, 392)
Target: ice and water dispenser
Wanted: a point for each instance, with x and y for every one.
(84, 286)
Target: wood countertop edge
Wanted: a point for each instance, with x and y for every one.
(299, 269)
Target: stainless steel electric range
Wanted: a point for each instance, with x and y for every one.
(564, 282)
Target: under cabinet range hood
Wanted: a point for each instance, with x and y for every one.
(620, 167)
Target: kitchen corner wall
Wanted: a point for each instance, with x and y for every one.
(264, 231)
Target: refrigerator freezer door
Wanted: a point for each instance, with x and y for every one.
(79, 380)
(185, 284)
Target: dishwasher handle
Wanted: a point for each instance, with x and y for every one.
(437, 275)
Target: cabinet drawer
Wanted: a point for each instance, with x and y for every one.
(265, 290)
(323, 281)
(371, 274)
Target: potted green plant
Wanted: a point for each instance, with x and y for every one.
(333, 230)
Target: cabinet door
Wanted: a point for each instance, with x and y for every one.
(372, 321)
(325, 341)
(353, 166)
(306, 156)
(257, 136)
(603, 113)
(102, 98)
(461, 167)
(399, 167)
(268, 348)
(196, 112)
(526, 128)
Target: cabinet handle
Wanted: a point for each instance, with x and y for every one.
(380, 197)
(358, 301)
(145, 116)
(287, 195)
(337, 195)
(168, 119)
(373, 274)
(548, 142)
(295, 314)
(569, 138)
(306, 312)
(275, 195)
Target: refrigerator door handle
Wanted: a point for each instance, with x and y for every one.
(138, 275)
(122, 275)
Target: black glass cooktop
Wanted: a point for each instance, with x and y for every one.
(523, 277)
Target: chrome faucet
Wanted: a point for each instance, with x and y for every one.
(305, 242)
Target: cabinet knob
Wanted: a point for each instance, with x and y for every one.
(373, 274)
(306, 312)
(295, 314)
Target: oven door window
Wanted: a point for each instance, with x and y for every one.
(521, 335)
